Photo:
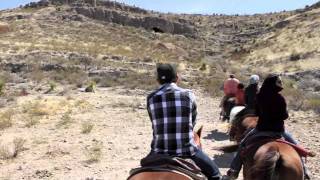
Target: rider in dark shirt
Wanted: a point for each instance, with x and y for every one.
(251, 92)
(271, 106)
(271, 109)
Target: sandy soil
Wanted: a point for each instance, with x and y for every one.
(119, 139)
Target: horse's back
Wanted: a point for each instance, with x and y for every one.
(159, 176)
(280, 157)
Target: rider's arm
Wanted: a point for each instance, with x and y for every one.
(283, 114)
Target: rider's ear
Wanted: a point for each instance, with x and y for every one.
(177, 78)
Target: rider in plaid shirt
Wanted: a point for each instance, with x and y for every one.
(173, 112)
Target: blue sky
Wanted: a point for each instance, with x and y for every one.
(202, 6)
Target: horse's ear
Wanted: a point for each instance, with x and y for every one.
(199, 131)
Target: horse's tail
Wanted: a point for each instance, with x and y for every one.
(266, 166)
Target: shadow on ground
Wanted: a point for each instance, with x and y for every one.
(217, 136)
(223, 160)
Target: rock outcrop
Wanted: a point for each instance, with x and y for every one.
(153, 23)
(119, 13)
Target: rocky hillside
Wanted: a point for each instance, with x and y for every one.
(112, 44)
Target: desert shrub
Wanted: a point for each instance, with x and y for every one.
(32, 121)
(86, 127)
(203, 67)
(6, 119)
(34, 109)
(129, 80)
(313, 103)
(65, 121)
(295, 97)
(18, 144)
(52, 86)
(71, 76)
(2, 86)
(36, 74)
(91, 87)
(295, 57)
(212, 83)
(7, 152)
(94, 153)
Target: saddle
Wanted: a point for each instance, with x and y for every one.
(255, 141)
(166, 163)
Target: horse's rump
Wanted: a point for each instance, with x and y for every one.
(162, 167)
(159, 176)
(273, 161)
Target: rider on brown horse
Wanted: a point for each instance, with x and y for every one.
(272, 111)
(173, 112)
(230, 88)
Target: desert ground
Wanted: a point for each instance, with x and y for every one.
(102, 135)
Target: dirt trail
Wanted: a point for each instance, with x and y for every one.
(121, 136)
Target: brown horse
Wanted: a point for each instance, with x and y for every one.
(167, 175)
(270, 161)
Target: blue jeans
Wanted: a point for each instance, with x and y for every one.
(236, 163)
(208, 167)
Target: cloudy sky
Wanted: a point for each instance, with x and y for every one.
(202, 6)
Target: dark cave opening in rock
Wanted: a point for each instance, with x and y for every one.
(157, 30)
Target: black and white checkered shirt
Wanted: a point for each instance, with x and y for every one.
(173, 112)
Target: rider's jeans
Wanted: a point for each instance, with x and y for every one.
(208, 166)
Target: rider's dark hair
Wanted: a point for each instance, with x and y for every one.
(166, 73)
(240, 86)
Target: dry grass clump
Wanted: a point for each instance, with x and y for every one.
(70, 76)
(94, 153)
(10, 152)
(86, 127)
(6, 119)
(66, 76)
(313, 103)
(65, 121)
(131, 80)
(295, 97)
(2, 86)
(31, 121)
(212, 83)
(35, 109)
(298, 100)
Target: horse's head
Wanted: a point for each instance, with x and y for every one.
(197, 136)
(240, 127)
